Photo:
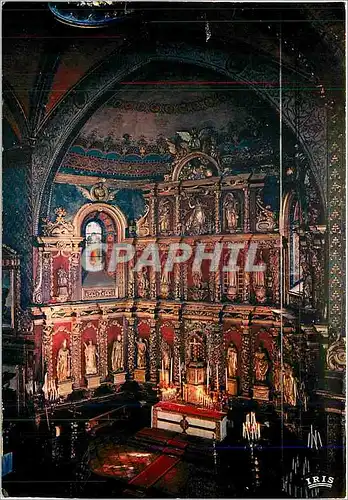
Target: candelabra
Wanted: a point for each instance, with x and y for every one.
(251, 429)
(314, 439)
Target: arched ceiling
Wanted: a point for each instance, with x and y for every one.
(61, 58)
(57, 56)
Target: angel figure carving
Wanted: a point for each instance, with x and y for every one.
(98, 192)
(189, 141)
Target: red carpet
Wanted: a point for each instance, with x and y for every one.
(161, 465)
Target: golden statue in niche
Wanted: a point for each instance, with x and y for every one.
(63, 362)
(196, 222)
(164, 213)
(141, 354)
(261, 365)
(231, 207)
(232, 361)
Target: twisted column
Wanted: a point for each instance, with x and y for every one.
(177, 351)
(131, 335)
(76, 368)
(153, 351)
(245, 375)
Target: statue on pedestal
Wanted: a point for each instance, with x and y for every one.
(117, 354)
(196, 221)
(259, 280)
(141, 354)
(231, 212)
(63, 362)
(166, 359)
(290, 386)
(143, 283)
(261, 365)
(90, 358)
(164, 216)
(232, 361)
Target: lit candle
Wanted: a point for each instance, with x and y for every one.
(162, 371)
(217, 377)
(226, 380)
(171, 369)
(208, 375)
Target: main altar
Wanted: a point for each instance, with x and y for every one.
(194, 406)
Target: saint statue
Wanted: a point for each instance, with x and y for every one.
(141, 354)
(231, 212)
(232, 361)
(166, 359)
(90, 358)
(197, 219)
(63, 363)
(62, 282)
(232, 289)
(289, 386)
(165, 283)
(259, 280)
(277, 377)
(259, 276)
(164, 217)
(117, 354)
(261, 365)
(143, 282)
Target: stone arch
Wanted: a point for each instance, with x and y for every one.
(61, 126)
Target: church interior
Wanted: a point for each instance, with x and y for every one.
(173, 294)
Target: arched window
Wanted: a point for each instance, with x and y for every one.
(99, 235)
(94, 244)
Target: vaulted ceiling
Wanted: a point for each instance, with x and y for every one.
(43, 59)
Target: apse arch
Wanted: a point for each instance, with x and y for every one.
(67, 118)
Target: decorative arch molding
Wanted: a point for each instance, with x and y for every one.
(61, 126)
(196, 154)
(114, 212)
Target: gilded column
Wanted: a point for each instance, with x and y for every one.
(153, 204)
(75, 274)
(177, 282)
(131, 335)
(246, 210)
(131, 278)
(246, 362)
(177, 351)
(102, 341)
(76, 368)
(217, 209)
(46, 276)
(275, 273)
(154, 354)
(219, 364)
(177, 220)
